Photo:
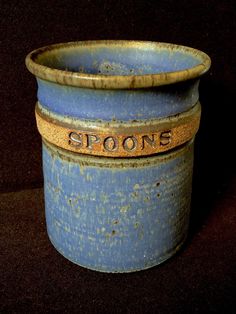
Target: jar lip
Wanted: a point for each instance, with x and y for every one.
(102, 81)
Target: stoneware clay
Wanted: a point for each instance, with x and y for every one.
(118, 121)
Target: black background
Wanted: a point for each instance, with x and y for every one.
(198, 280)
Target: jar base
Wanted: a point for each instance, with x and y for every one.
(131, 270)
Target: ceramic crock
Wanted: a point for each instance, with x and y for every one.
(118, 121)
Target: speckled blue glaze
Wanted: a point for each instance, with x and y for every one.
(122, 105)
(117, 216)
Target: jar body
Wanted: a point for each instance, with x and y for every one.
(117, 215)
(118, 121)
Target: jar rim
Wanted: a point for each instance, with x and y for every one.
(102, 81)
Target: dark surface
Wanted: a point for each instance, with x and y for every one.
(34, 277)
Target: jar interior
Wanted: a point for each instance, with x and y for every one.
(108, 59)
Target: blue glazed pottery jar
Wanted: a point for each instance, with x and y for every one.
(118, 121)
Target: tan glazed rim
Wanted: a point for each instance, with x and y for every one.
(102, 81)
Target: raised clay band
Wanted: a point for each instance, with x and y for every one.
(118, 139)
